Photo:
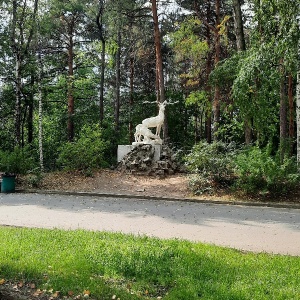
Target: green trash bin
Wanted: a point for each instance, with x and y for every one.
(8, 183)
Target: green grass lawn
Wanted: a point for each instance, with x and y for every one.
(131, 267)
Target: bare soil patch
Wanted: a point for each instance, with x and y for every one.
(114, 182)
(108, 181)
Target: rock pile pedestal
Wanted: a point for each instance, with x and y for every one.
(140, 161)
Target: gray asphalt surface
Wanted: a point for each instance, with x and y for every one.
(258, 229)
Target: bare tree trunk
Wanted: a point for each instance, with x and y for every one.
(283, 104)
(241, 46)
(298, 106)
(70, 87)
(131, 135)
(216, 101)
(40, 113)
(30, 112)
(283, 112)
(99, 22)
(118, 83)
(298, 117)
(238, 25)
(298, 113)
(18, 101)
(20, 45)
(208, 124)
(291, 113)
(159, 64)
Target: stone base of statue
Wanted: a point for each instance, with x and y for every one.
(123, 150)
(147, 159)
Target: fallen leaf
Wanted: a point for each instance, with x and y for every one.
(20, 284)
(70, 293)
(32, 285)
(37, 293)
(2, 281)
(56, 294)
(86, 292)
(129, 286)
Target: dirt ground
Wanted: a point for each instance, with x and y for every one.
(114, 182)
(108, 181)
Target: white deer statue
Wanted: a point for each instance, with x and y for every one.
(142, 129)
(158, 120)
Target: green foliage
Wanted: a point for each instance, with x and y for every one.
(256, 91)
(250, 170)
(231, 129)
(213, 163)
(18, 161)
(197, 98)
(188, 47)
(178, 118)
(86, 152)
(257, 170)
(226, 70)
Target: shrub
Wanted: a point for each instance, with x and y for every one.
(19, 161)
(259, 171)
(212, 164)
(86, 152)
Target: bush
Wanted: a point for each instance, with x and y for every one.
(259, 171)
(19, 161)
(212, 165)
(86, 152)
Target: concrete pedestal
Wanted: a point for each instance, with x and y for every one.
(125, 149)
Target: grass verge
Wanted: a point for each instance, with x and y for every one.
(112, 266)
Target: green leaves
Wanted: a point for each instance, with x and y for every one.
(86, 152)
(257, 170)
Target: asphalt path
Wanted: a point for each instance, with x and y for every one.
(257, 229)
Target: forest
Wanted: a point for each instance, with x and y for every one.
(77, 76)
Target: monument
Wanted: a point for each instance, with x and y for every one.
(143, 135)
(147, 155)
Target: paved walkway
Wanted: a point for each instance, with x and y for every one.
(258, 229)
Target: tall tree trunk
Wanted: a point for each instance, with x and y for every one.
(241, 46)
(18, 80)
(238, 26)
(131, 134)
(118, 83)
(30, 112)
(283, 112)
(18, 83)
(208, 68)
(298, 113)
(159, 64)
(217, 95)
(99, 21)
(20, 45)
(291, 113)
(70, 86)
(40, 113)
(101, 100)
